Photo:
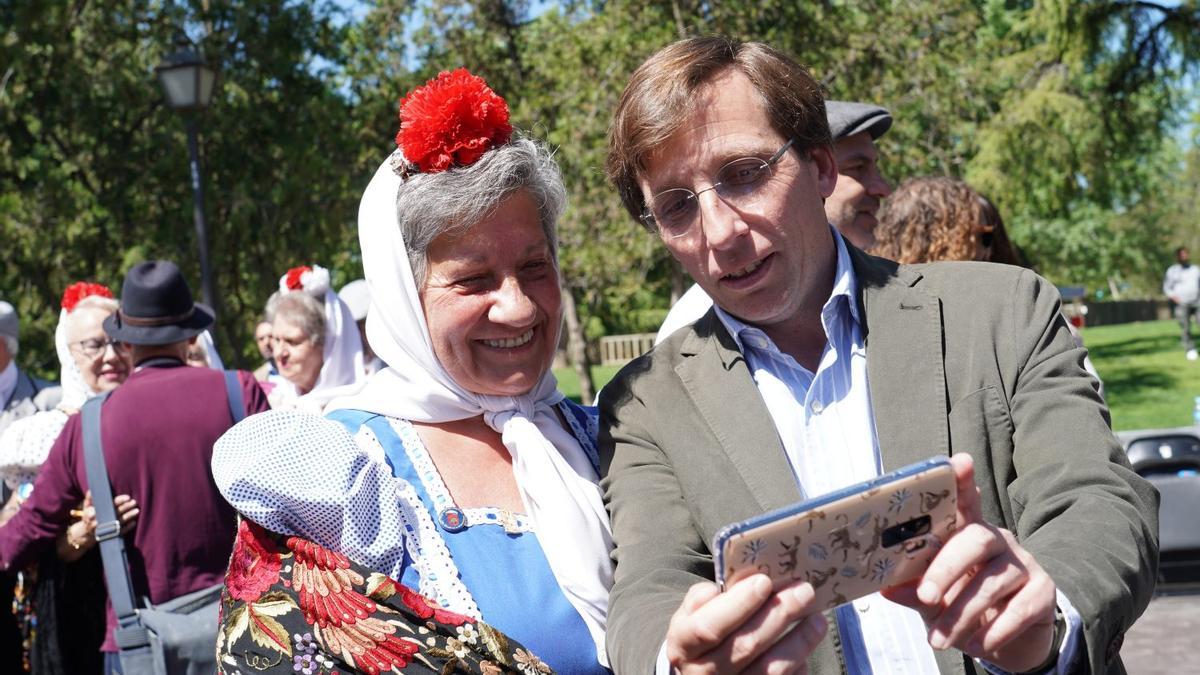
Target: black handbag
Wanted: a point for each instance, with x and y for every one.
(176, 637)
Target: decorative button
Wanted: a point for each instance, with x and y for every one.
(817, 407)
(452, 519)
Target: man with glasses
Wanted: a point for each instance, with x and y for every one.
(853, 206)
(820, 367)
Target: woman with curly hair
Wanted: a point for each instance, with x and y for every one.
(941, 218)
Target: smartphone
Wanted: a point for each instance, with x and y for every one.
(851, 542)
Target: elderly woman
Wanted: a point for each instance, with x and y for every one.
(314, 341)
(65, 592)
(460, 470)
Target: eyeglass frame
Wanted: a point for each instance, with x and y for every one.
(647, 216)
(98, 349)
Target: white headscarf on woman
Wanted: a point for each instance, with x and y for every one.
(557, 481)
(342, 368)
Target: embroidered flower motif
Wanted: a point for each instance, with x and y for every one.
(425, 608)
(304, 643)
(457, 648)
(304, 663)
(451, 121)
(255, 564)
(80, 290)
(468, 634)
(313, 280)
(529, 664)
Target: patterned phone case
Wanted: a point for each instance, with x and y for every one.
(851, 542)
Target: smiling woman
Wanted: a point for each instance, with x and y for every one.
(460, 470)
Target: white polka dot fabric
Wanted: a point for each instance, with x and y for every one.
(26, 443)
(302, 475)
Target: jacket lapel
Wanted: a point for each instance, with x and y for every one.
(902, 327)
(715, 375)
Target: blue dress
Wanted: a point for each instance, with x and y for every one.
(498, 556)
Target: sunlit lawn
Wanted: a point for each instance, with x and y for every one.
(568, 382)
(1147, 380)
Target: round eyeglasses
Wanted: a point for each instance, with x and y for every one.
(739, 183)
(95, 346)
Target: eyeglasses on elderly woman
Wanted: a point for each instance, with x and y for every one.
(94, 347)
(673, 212)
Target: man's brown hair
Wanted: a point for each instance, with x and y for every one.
(661, 95)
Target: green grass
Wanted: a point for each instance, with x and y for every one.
(568, 382)
(1147, 380)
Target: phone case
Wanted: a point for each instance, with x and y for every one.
(851, 542)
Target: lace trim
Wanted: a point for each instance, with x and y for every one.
(438, 575)
(440, 496)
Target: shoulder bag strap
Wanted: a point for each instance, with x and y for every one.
(233, 391)
(108, 529)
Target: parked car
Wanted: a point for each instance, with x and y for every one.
(1170, 460)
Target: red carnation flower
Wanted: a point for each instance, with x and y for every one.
(80, 290)
(293, 277)
(255, 564)
(451, 121)
(425, 608)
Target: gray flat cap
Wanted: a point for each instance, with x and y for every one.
(8, 320)
(847, 118)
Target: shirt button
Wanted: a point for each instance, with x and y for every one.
(817, 407)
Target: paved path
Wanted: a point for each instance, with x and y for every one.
(1167, 637)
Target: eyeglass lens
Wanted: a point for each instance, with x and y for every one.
(93, 348)
(674, 211)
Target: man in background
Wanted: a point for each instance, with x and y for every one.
(1182, 285)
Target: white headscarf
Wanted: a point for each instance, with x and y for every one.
(557, 481)
(342, 370)
(210, 351)
(75, 391)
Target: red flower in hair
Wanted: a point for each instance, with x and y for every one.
(451, 121)
(293, 277)
(80, 290)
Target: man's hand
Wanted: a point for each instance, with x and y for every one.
(984, 594)
(748, 628)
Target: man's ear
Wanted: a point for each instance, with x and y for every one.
(827, 173)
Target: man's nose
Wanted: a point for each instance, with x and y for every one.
(877, 185)
(720, 223)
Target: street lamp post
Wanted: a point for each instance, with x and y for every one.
(188, 84)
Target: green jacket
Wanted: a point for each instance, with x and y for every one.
(961, 357)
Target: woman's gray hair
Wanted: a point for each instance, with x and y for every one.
(305, 311)
(429, 205)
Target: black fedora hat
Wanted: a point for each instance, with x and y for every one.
(156, 307)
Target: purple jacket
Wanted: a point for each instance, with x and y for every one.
(158, 430)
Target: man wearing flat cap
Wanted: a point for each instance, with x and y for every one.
(820, 367)
(157, 431)
(851, 208)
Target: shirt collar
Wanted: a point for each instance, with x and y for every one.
(8, 382)
(841, 306)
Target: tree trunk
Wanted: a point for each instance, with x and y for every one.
(577, 348)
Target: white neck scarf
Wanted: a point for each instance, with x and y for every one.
(556, 479)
